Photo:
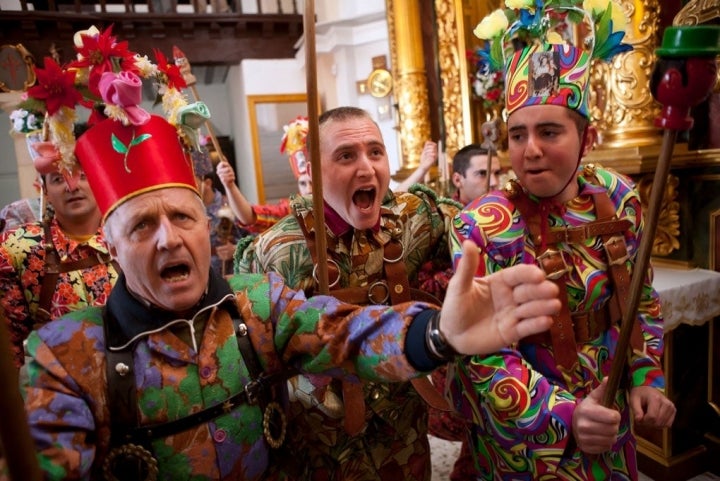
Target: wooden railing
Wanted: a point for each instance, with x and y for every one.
(210, 32)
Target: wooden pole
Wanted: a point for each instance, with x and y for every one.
(186, 70)
(314, 144)
(640, 268)
(18, 446)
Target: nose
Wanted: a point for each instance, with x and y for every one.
(366, 166)
(167, 236)
(532, 147)
(493, 180)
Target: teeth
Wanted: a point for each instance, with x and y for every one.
(177, 278)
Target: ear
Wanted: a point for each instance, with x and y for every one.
(456, 179)
(591, 137)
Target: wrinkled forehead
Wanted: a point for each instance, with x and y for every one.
(160, 201)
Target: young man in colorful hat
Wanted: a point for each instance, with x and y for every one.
(182, 374)
(536, 406)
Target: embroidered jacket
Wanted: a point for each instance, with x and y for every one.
(67, 398)
(22, 266)
(393, 444)
(520, 401)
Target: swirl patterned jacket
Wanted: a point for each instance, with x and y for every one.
(22, 267)
(182, 366)
(393, 443)
(520, 402)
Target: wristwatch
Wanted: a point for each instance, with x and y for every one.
(380, 82)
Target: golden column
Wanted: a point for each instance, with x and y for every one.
(410, 80)
(621, 103)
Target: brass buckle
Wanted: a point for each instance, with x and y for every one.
(610, 244)
(546, 257)
(379, 300)
(130, 462)
(274, 425)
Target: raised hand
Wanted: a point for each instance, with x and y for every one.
(480, 316)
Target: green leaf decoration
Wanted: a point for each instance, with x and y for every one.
(118, 146)
(140, 139)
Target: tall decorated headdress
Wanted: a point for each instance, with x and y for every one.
(546, 48)
(127, 151)
(294, 144)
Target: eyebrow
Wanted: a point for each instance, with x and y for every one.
(540, 125)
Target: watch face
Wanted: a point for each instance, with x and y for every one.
(380, 82)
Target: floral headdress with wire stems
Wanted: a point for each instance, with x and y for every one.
(534, 43)
(128, 151)
(54, 99)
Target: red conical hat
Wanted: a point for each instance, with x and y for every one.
(122, 162)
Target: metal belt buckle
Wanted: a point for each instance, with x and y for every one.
(130, 462)
(337, 280)
(378, 299)
(548, 262)
(612, 246)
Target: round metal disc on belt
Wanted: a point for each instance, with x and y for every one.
(130, 462)
(274, 425)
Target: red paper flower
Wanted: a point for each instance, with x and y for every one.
(56, 87)
(103, 53)
(173, 77)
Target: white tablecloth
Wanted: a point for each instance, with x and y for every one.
(689, 296)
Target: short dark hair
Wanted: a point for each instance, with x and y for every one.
(461, 160)
(343, 113)
(340, 114)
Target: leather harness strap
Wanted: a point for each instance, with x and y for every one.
(53, 269)
(394, 287)
(571, 328)
(122, 392)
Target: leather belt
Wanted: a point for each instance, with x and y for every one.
(586, 325)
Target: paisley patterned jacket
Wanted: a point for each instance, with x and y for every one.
(393, 443)
(182, 366)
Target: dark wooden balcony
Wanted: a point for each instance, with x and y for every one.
(224, 36)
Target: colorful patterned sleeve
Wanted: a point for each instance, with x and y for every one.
(267, 215)
(519, 407)
(347, 341)
(14, 299)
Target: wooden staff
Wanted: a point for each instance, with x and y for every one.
(640, 267)
(18, 446)
(313, 138)
(678, 92)
(190, 79)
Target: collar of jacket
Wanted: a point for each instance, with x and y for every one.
(135, 318)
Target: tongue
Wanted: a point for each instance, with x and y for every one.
(363, 199)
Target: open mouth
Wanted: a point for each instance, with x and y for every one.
(364, 198)
(175, 272)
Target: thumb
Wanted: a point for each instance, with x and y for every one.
(467, 266)
(598, 393)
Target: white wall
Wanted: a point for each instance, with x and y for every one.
(348, 35)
